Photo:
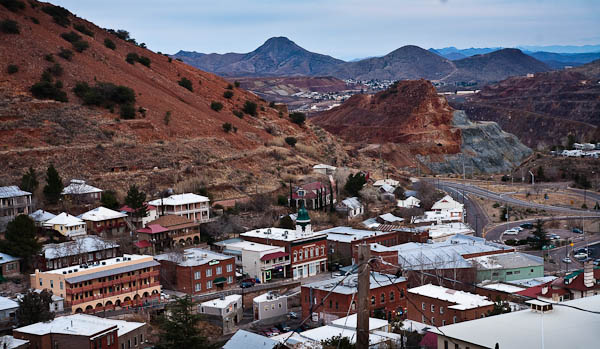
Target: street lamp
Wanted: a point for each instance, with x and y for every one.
(532, 178)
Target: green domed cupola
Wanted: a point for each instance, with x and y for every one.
(303, 219)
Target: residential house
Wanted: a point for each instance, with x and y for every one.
(84, 331)
(305, 247)
(270, 305)
(66, 225)
(105, 222)
(410, 202)
(8, 311)
(188, 205)
(351, 207)
(578, 284)
(386, 192)
(387, 297)
(196, 271)
(131, 280)
(522, 329)
(243, 339)
(13, 202)
(40, 217)
(259, 261)
(441, 306)
(9, 265)
(507, 267)
(81, 193)
(57, 304)
(324, 169)
(445, 210)
(225, 312)
(140, 222)
(87, 249)
(312, 195)
(388, 218)
(170, 230)
(443, 231)
(10, 342)
(387, 181)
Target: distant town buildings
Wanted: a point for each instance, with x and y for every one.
(81, 193)
(66, 225)
(9, 265)
(188, 205)
(13, 202)
(312, 195)
(82, 250)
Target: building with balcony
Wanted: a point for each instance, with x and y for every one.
(79, 192)
(196, 271)
(84, 249)
(188, 205)
(307, 250)
(13, 202)
(130, 280)
(260, 261)
(66, 225)
(105, 222)
(168, 231)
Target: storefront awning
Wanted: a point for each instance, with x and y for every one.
(220, 280)
(273, 255)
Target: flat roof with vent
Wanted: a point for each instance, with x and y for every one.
(281, 234)
(350, 284)
(463, 300)
(192, 257)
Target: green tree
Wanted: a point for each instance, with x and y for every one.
(228, 94)
(226, 127)
(355, 183)
(250, 108)
(109, 200)
(186, 83)
(136, 200)
(291, 141)
(34, 307)
(500, 307)
(178, 327)
(29, 181)
(298, 118)
(20, 240)
(109, 44)
(216, 106)
(337, 342)
(54, 185)
(286, 222)
(540, 236)
(597, 206)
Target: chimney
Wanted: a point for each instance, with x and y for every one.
(588, 274)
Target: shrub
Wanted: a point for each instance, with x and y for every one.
(132, 57)
(9, 27)
(250, 108)
(109, 44)
(144, 61)
(55, 69)
(271, 104)
(121, 34)
(229, 87)
(216, 106)
(59, 14)
(298, 118)
(291, 141)
(127, 111)
(226, 127)
(167, 118)
(170, 59)
(104, 94)
(186, 83)
(13, 5)
(236, 84)
(34, 20)
(45, 89)
(228, 94)
(83, 29)
(81, 45)
(49, 57)
(11, 69)
(238, 113)
(65, 53)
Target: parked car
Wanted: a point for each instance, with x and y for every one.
(268, 333)
(512, 231)
(581, 255)
(597, 262)
(293, 315)
(577, 231)
(567, 260)
(285, 327)
(246, 284)
(275, 331)
(527, 226)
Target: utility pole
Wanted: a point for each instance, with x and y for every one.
(364, 283)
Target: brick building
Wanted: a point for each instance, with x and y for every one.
(197, 271)
(9, 265)
(170, 230)
(387, 297)
(441, 306)
(312, 195)
(115, 282)
(307, 249)
(85, 249)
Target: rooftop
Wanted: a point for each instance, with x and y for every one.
(350, 284)
(78, 186)
(350, 322)
(563, 327)
(192, 257)
(41, 215)
(507, 261)
(463, 300)
(265, 297)
(12, 191)
(388, 217)
(387, 181)
(502, 287)
(448, 229)
(5, 258)
(282, 234)
(222, 303)
(152, 229)
(533, 281)
(80, 325)
(251, 246)
(243, 339)
(349, 234)
(101, 214)
(172, 221)
(7, 303)
(10, 342)
(352, 203)
(105, 267)
(446, 203)
(179, 199)
(84, 244)
(64, 219)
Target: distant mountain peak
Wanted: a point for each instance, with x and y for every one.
(279, 44)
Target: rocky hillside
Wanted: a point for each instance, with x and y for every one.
(101, 107)
(544, 109)
(414, 125)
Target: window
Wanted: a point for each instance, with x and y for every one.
(230, 279)
(509, 273)
(197, 275)
(454, 319)
(197, 287)
(373, 300)
(209, 272)
(383, 298)
(295, 256)
(219, 270)
(445, 344)
(322, 250)
(229, 268)
(272, 306)
(432, 320)
(300, 256)
(40, 281)
(336, 305)
(443, 322)
(279, 304)
(330, 304)
(456, 346)
(531, 270)
(441, 310)
(134, 340)
(317, 251)
(353, 305)
(392, 296)
(422, 305)
(51, 283)
(209, 284)
(517, 272)
(61, 285)
(433, 308)
(312, 252)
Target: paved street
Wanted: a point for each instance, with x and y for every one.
(476, 217)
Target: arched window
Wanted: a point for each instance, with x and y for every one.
(382, 297)
(392, 296)
(295, 256)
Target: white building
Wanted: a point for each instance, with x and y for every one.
(324, 169)
(189, 205)
(410, 202)
(445, 210)
(225, 311)
(261, 261)
(269, 305)
(67, 225)
(40, 217)
(387, 181)
(442, 232)
(352, 206)
(79, 190)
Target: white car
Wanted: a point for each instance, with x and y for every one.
(581, 255)
(566, 260)
(512, 231)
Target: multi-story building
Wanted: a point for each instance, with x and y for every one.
(225, 312)
(169, 230)
(13, 202)
(387, 297)
(260, 261)
(84, 331)
(196, 271)
(140, 222)
(312, 195)
(441, 306)
(189, 205)
(578, 284)
(508, 267)
(9, 265)
(81, 193)
(86, 249)
(66, 225)
(105, 222)
(306, 249)
(115, 282)
(445, 210)
(269, 305)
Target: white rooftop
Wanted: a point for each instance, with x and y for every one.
(387, 181)
(352, 203)
(463, 300)
(115, 261)
(324, 166)
(222, 303)
(78, 186)
(7, 303)
(251, 246)
(350, 284)
(83, 244)
(65, 219)
(281, 234)
(388, 217)
(80, 324)
(325, 332)
(12, 191)
(263, 297)
(10, 342)
(502, 287)
(562, 327)
(192, 257)
(5, 258)
(507, 261)
(243, 339)
(350, 322)
(179, 199)
(446, 203)
(532, 282)
(349, 234)
(437, 231)
(101, 214)
(41, 215)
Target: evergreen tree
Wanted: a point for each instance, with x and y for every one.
(136, 199)
(540, 236)
(34, 307)
(109, 200)
(20, 240)
(29, 181)
(54, 185)
(179, 326)
(500, 307)
(286, 222)
(355, 183)
(331, 208)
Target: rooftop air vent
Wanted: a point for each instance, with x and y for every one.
(64, 272)
(118, 259)
(103, 263)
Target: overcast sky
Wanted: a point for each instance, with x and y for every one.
(345, 29)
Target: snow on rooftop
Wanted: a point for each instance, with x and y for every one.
(265, 297)
(179, 199)
(7, 303)
(91, 267)
(78, 186)
(64, 219)
(446, 203)
(101, 214)
(5, 258)
(532, 282)
(243, 339)
(449, 229)
(350, 322)
(193, 257)
(12, 191)
(84, 244)
(502, 287)
(348, 234)
(222, 303)
(352, 203)
(463, 300)
(81, 325)
(281, 234)
(388, 217)
(350, 283)
(252, 246)
(10, 342)
(41, 215)
(508, 261)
